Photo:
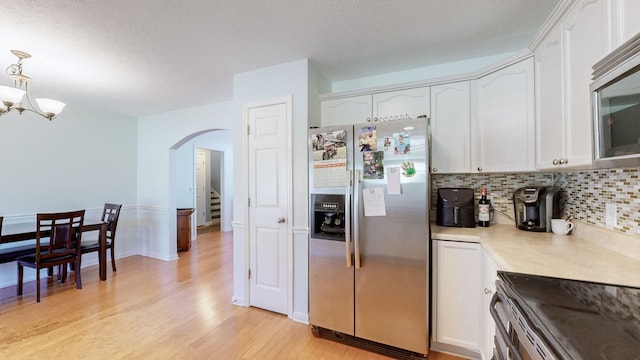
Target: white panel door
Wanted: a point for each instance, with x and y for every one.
(201, 186)
(268, 207)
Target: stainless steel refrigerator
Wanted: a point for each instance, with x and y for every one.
(369, 236)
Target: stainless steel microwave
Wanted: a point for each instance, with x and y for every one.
(616, 107)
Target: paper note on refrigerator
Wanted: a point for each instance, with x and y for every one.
(393, 181)
(373, 201)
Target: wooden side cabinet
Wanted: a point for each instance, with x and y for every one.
(184, 228)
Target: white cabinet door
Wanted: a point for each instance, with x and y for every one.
(550, 132)
(457, 298)
(393, 105)
(450, 128)
(503, 133)
(346, 111)
(626, 19)
(490, 270)
(586, 38)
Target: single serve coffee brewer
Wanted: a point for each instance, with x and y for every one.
(535, 206)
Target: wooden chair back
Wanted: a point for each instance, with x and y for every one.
(110, 215)
(58, 235)
(58, 238)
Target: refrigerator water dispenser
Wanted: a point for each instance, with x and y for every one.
(328, 217)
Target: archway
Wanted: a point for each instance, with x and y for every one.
(182, 172)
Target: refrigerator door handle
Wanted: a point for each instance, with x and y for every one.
(356, 210)
(347, 220)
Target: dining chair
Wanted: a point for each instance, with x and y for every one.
(110, 215)
(58, 237)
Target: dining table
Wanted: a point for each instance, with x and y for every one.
(23, 231)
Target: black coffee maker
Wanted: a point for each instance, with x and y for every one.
(535, 206)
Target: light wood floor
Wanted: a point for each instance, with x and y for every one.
(152, 309)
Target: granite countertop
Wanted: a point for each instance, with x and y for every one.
(578, 256)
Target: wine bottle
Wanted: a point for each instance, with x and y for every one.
(483, 209)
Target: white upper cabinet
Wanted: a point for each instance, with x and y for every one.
(408, 103)
(384, 106)
(626, 23)
(550, 129)
(503, 131)
(346, 111)
(586, 38)
(564, 63)
(450, 128)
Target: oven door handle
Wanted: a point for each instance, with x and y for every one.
(500, 326)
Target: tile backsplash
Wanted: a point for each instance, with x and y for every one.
(584, 192)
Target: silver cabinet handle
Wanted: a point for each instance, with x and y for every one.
(356, 210)
(347, 218)
(479, 168)
(434, 170)
(560, 161)
(487, 291)
(281, 220)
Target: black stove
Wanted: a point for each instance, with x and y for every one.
(577, 319)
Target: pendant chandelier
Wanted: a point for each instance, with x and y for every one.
(11, 97)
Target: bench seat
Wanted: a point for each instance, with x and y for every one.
(12, 253)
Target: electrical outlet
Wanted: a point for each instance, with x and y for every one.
(611, 214)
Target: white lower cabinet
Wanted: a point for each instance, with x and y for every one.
(457, 298)
(463, 282)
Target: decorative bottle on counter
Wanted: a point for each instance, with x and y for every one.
(483, 209)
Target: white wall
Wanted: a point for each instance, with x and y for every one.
(80, 160)
(159, 138)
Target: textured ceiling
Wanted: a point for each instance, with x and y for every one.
(140, 57)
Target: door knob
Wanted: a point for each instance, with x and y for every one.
(281, 220)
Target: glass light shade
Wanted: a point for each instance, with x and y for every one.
(50, 106)
(10, 95)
